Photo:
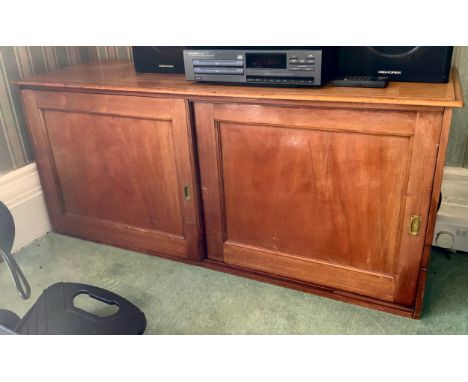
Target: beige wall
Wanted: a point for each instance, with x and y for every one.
(18, 62)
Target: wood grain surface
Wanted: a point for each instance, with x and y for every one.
(121, 77)
(318, 195)
(114, 169)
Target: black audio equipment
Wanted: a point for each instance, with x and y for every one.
(271, 67)
(396, 63)
(159, 59)
(162, 59)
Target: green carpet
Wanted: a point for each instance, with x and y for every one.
(184, 299)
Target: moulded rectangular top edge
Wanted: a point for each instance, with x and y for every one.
(121, 77)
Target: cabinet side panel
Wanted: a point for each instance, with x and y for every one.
(435, 196)
(438, 175)
(418, 199)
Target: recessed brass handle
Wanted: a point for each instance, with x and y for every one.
(415, 225)
(186, 192)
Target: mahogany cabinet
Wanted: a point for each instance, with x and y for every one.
(332, 191)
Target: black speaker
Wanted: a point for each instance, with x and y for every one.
(397, 63)
(159, 59)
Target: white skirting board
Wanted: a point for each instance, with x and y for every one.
(451, 230)
(21, 192)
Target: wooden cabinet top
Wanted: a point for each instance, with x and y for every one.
(120, 77)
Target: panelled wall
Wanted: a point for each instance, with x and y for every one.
(457, 151)
(18, 62)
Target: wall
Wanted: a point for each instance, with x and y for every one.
(457, 151)
(18, 62)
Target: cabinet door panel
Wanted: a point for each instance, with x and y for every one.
(114, 169)
(144, 152)
(319, 195)
(323, 195)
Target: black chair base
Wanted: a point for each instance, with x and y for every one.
(9, 319)
(55, 313)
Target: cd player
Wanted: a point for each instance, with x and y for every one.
(276, 67)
